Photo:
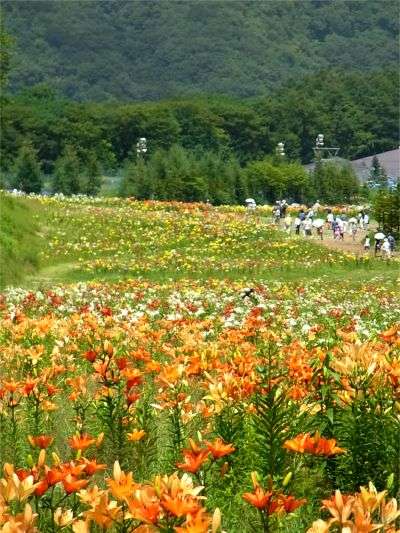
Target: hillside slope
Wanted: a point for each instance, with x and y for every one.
(19, 241)
(149, 49)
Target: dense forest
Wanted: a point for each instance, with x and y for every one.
(147, 49)
(357, 112)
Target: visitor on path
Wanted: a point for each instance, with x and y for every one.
(341, 226)
(378, 246)
(360, 218)
(353, 230)
(330, 219)
(345, 224)
(386, 248)
(320, 232)
(283, 207)
(308, 227)
(392, 243)
(250, 204)
(276, 214)
(367, 244)
(297, 224)
(366, 221)
(288, 223)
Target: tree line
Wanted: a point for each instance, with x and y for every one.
(218, 148)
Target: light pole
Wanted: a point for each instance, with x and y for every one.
(280, 149)
(141, 147)
(322, 152)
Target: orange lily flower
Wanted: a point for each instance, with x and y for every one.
(316, 445)
(193, 460)
(198, 523)
(180, 505)
(72, 484)
(40, 441)
(290, 504)
(81, 442)
(121, 485)
(219, 449)
(136, 435)
(258, 498)
(92, 466)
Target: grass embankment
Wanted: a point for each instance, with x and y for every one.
(20, 242)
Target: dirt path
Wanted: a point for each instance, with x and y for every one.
(355, 247)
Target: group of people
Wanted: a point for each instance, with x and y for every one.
(384, 245)
(340, 224)
(305, 222)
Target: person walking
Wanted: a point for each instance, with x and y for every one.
(330, 219)
(340, 223)
(297, 224)
(386, 248)
(378, 245)
(366, 221)
(308, 227)
(367, 244)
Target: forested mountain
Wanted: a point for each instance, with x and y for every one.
(152, 49)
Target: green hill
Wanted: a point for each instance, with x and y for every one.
(157, 49)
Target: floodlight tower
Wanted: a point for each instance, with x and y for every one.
(280, 149)
(322, 152)
(141, 147)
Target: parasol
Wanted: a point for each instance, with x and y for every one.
(318, 223)
(379, 235)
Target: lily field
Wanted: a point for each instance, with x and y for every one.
(186, 368)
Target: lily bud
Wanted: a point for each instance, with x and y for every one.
(390, 481)
(42, 458)
(29, 460)
(287, 479)
(216, 521)
(56, 459)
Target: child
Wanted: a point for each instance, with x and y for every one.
(367, 244)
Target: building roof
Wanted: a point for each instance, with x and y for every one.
(390, 161)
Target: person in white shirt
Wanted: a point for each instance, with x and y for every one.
(297, 224)
(386, 248)
(307, 227)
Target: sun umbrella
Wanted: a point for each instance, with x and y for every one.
(318, 223)
(250, 201)
(353, 220)
(379, 235)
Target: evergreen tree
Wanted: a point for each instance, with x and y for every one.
(67, 173)
(334, 183)
(92, 179)
(27, 172)
(387, 210)
(378, 175)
